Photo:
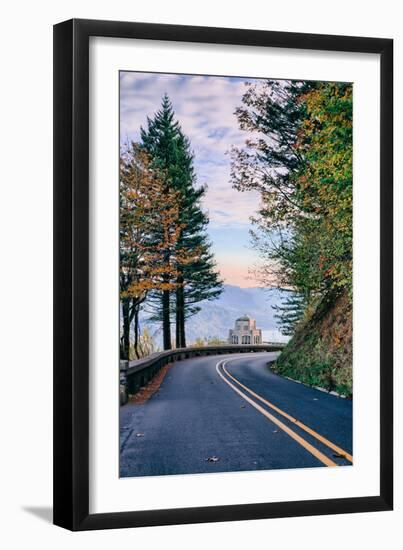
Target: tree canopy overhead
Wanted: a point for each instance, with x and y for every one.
(299, 158)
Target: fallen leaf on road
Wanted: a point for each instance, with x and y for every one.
(146, 392)
(212, 459)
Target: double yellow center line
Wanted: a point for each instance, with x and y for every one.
(310, 448)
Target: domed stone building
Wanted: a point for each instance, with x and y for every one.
(245, 332)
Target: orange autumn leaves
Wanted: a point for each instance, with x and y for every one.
(150, 227)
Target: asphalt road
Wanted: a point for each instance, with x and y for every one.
(231, 413)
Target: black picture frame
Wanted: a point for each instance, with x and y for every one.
(71, 274)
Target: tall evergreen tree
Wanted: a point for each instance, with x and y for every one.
(290, 311)
(196, 276)
(160, 140)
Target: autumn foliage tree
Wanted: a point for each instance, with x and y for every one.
(325, 140)
(299, 158)
(149, 233)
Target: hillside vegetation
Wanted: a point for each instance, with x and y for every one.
(320, 352)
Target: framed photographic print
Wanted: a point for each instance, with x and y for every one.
(223, 322)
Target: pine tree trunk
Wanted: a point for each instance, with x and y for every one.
(183, 335)
(177, 323)
(125, 347)
(182, 329)
(180, 314)
(136, 333)
(166, 322)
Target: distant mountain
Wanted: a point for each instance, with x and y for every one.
(218, 316)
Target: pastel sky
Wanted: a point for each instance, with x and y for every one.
(204, 106)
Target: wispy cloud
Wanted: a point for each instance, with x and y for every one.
(205, 108)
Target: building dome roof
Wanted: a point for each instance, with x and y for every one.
(244, 318)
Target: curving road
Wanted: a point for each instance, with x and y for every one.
(231, 413)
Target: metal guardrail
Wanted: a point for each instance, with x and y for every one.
(136, 374)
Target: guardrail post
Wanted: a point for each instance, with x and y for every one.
(123, 393)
